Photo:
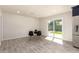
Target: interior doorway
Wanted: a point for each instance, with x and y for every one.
(55, 28)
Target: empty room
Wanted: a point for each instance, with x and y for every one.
(39, 29)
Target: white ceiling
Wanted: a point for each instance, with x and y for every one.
(36, 10)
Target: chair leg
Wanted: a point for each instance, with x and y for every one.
(30, 38)
(39, 37)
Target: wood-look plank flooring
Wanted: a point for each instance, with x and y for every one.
(35, 45)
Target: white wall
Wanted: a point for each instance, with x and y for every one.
(16, 26)
(44, 26)
(0, 26)
(67, 25)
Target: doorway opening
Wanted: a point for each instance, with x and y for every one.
(55, 29)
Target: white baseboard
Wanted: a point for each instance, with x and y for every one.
(0, 43)
(13, 38)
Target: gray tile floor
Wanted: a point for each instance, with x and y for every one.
(36, 45)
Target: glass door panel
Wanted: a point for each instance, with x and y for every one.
(55, 28)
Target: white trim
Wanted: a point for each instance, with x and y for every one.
(0, 43)
(53, 19)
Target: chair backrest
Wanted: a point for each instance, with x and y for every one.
(35, 31)
(39, 33)
(30, 33)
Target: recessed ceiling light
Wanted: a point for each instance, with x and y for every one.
(18, 12)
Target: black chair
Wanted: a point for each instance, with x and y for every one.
(35, 32)
(30, 34)
(39, 33)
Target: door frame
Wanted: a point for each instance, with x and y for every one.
(53, 23)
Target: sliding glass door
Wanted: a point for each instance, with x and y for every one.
(55, 28)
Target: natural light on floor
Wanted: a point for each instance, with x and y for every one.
(49, 38)
(58, 41)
